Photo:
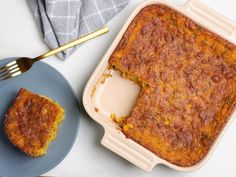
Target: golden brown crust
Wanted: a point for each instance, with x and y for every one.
(191, 78)
(30, 121)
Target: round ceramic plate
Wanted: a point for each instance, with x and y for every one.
(44, 80)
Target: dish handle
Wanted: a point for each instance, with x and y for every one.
(211, 18)
(130, 150)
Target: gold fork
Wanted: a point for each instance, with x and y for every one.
(23, 64)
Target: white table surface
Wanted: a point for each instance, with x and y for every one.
(19, 36)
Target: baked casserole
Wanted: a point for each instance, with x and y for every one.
(188, 80)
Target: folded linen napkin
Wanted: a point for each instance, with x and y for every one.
(62, 21)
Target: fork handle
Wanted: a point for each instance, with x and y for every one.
(73, 43)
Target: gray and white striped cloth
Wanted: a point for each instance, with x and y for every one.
(62, 21)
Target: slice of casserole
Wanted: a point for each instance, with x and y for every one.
(32, 122)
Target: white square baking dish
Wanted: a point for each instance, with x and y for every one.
(105, 95)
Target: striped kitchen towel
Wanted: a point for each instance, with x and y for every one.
(62, 21)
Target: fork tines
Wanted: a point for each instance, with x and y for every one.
(9, 70)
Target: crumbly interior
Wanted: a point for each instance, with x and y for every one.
(32, 122)
(188, 80)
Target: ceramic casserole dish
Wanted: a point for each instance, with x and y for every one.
(101, 96)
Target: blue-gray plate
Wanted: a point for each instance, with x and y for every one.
(44, 80)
